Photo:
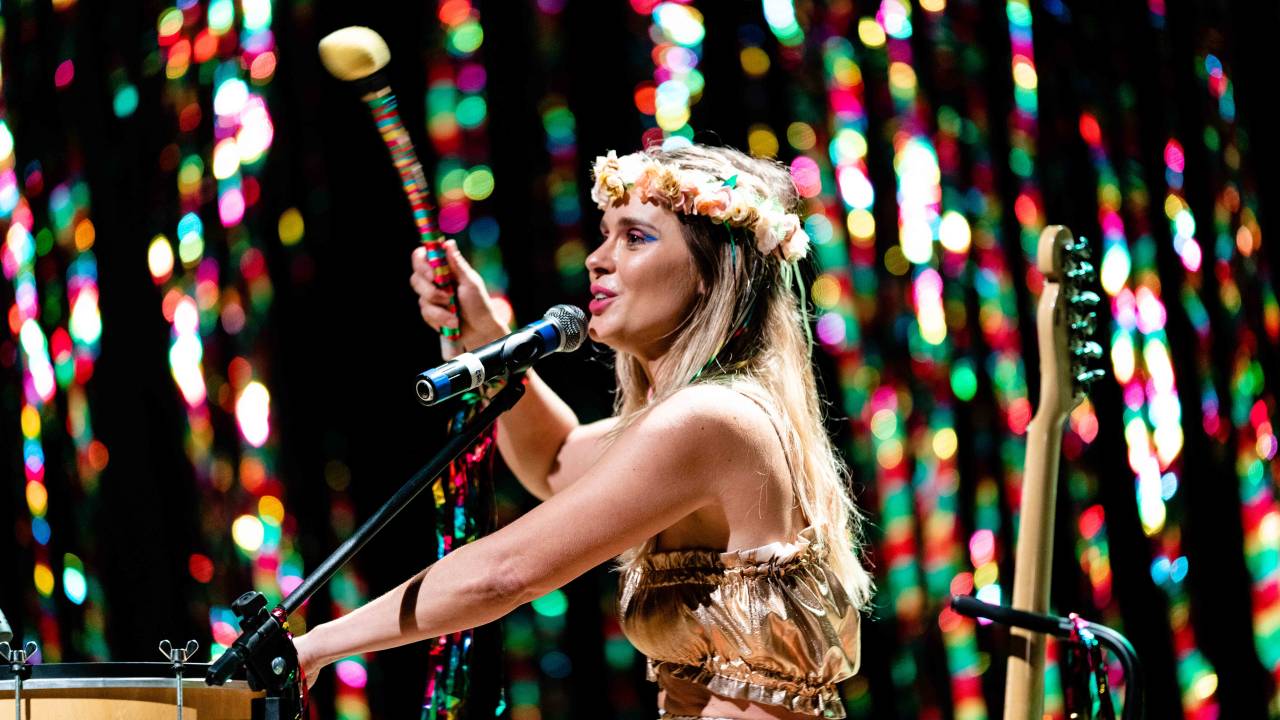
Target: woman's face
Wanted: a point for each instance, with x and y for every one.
(642, 279)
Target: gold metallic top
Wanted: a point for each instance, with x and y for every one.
(771, 625)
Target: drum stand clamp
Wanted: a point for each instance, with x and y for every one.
(178, 657)
(17, 659)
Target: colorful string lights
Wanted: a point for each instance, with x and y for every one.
(560, 127)
(676, 32)
(38, 386)
(47, 255)
(1143, 369)
(217, 296)
(1024, 131)
(1248, 298)
(74, 347)
(347, 591)
(457, 123)
(831, 176)
(997, 320)
(930, 422)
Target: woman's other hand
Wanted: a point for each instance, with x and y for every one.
(479, 320)
(308, 660)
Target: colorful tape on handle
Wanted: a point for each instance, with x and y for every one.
(383, 106)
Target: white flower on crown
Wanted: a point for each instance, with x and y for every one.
(693, 192)
(782, 230)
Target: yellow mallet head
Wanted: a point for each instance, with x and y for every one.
(354, 53)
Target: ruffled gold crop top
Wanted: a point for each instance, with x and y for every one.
(771, 625)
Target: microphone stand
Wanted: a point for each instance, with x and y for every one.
(264, 647)
(1063, 627)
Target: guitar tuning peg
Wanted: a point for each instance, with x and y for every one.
(1080, 272)
(1085, 378)
(1084, 324)
(1085, 299)
(1087, 350)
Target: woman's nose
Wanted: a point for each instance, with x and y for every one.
(600, 261)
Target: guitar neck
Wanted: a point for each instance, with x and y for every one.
(1064, 323)
(1024, 684)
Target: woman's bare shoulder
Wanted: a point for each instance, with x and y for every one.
(738, 458)
(718, 415)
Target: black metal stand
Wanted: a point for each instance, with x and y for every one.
(264, 647)
(1118, 644)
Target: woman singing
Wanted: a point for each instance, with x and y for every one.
(714, 484)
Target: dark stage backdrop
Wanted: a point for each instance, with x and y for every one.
(210, 338)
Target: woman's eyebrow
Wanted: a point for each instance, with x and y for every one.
(629, 221)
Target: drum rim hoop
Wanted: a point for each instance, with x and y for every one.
(188, 684)
(69, 676)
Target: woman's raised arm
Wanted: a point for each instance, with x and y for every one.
(540, 438)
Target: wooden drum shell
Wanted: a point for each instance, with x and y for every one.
(123, 691)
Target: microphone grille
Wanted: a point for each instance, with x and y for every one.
(572, 322)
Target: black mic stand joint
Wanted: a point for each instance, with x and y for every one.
(1068, 628)
(265, 649)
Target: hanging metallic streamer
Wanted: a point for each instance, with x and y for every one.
(889, 402)
(457, 125)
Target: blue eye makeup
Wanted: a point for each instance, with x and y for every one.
(633, 236)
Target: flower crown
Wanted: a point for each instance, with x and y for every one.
(694, 192)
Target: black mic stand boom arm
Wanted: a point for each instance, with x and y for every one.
(264, 647)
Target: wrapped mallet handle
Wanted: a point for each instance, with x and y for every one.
(358, 55)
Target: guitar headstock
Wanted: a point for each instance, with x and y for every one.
(1066, 320)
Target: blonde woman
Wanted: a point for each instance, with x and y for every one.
(714, 483)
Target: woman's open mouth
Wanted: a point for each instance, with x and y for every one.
(599, 303)
(601, 297)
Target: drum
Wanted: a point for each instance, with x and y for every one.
(120, 691)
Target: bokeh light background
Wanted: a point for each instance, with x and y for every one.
(209, 337)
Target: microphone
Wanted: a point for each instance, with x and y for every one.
(563, 328)
(6, 632)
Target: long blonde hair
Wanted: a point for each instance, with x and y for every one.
(749, 331)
